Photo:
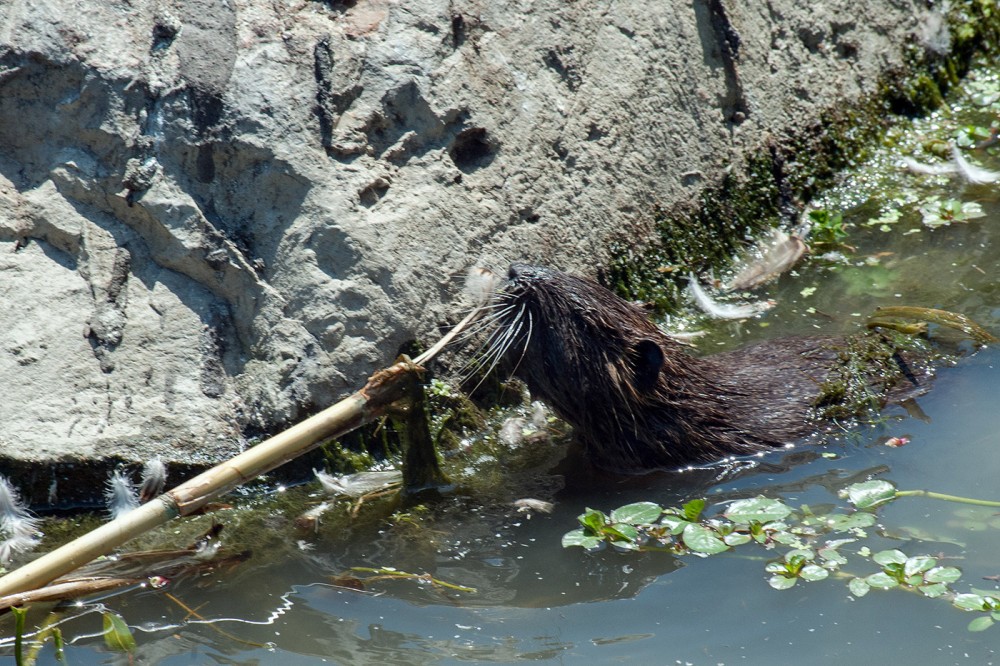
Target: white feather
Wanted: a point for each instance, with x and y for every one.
(970, 172)
(17, 524)
(928, 169)
(120, 495)
(718, 310)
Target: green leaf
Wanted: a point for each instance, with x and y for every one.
(918, 564)
(895, 571)
(580, 538)
(943, 575)
(881, 580)
(800, 555)
(803, 530)
(812, 573)
(870, 493)
(640, 513)
(674, 523)
(839, 522)
(693, 509)
(723, 527)
(971, 210)
(933, 590)
(887, 557)
(622, 532)
(859, 587)
(593, 520)
(787, 539)
(780, 582)
(832, 556)
(937, 213)
(970, 602)
(981, 623)
(761, 509)
(703, 540)
(828, 226)
(837, 543)
(117, 635)
(625, 544)
(888, 217)
(736, 539)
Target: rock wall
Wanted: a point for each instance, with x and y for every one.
(217, 216)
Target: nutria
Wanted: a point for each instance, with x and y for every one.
(637, 400)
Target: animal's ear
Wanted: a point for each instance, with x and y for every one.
(647, 361)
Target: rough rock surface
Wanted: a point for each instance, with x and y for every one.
(217, 216)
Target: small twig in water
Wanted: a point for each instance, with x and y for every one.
(386, 573)
(193, 612)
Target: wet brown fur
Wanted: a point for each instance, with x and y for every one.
(636, 398)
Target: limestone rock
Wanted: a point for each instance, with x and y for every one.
(218, 216)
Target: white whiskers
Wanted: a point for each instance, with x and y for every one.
(479, 286)
(508, 332)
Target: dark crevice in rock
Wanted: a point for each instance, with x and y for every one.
(472, 149)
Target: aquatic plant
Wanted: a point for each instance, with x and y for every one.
(117, 636)
(817, 543)
(936, 212)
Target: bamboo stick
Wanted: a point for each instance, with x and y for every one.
(382, 389)
(68, 590)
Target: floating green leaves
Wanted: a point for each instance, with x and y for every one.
(828, 227)
(703, 539)
(632, 526)
(976, 602)
(692, 510)
(647, 526)
(620, 529)
(870, 493)
(979, 601)
(760, 509)
(798, 564)
(641, 513)
(771, 523)
(920, 573)
(885, 220)
(940, 213)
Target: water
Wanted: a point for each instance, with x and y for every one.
(536, 601)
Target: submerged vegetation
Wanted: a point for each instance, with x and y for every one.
(860, 383)
(772, 184)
